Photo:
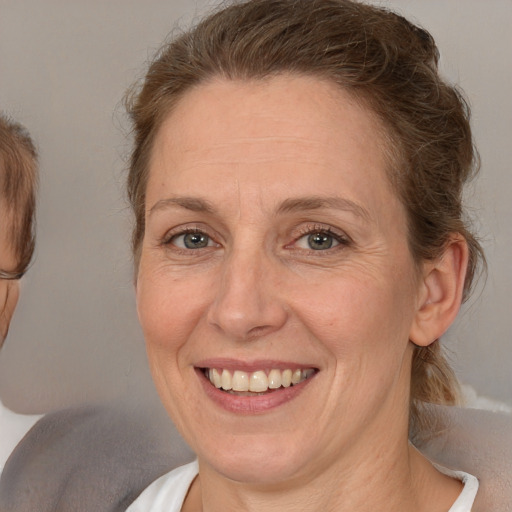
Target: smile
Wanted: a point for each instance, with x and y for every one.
(260, 381)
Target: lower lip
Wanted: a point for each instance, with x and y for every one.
(257, 404)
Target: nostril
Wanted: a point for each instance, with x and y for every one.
(259, 331)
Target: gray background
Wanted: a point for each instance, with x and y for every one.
(64, 65)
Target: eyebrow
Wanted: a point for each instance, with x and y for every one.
(319, 202)
(193, 204)
(290, 205)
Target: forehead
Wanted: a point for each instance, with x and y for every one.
(269, 132)
(284, 105)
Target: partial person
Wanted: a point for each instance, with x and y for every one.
(95, 458)
(18, 184)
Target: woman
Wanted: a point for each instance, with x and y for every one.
(300, 247)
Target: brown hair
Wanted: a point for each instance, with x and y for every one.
(18, 186)
(384, 61)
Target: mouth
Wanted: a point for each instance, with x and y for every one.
(256, 383)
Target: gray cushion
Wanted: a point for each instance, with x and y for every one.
(89, 459)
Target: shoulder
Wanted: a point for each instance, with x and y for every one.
(87, 458)
(167, 493)
(13, 427)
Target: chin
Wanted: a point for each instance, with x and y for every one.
(259, 459)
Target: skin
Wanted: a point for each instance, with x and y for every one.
(256, 153)
(9, 290)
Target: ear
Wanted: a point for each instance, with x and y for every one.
(441, 290)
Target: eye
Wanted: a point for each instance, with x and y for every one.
(318, 241)
(192, 240)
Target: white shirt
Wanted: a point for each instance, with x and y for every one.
(13, 427)
(467, 497)
(167, 494)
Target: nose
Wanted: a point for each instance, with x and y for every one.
(248, 303)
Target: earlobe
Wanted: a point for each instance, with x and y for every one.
(441, 292)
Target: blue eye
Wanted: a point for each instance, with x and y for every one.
(195, 240)
(318, 241)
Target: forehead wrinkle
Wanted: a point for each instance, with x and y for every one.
(205, 150)
(239, 196)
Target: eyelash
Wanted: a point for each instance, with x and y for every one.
(312, 229)
(182, 231)
(342, 239)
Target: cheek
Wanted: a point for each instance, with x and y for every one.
(167, 314)
(359, 316)
(169, 309)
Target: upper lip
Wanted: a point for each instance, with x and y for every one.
(253, 365)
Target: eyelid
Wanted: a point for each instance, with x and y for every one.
(308, 229)
(184, 230)
(315, 227)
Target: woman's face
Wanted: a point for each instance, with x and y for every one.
(275, 245)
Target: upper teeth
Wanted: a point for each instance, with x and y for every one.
(258, 381)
